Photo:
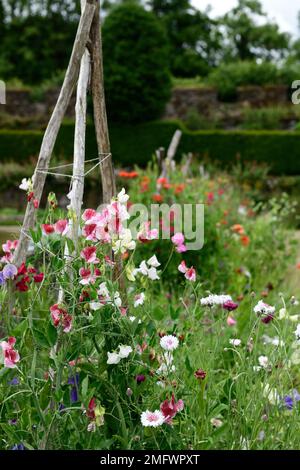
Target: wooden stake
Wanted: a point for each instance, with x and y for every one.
(54, 125)
(100, 116)
(77, 189)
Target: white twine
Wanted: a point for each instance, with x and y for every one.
(47, 172)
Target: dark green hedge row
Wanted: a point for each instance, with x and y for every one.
(135, 145)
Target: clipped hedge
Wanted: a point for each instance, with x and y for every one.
(135, 145)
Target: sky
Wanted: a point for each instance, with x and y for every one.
(284, 12)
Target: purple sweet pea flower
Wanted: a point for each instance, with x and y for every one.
(9, 271)
(74, 380)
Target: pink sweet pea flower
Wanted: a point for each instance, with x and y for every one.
(181, 248)
(170, 408)
(190, 274)
(61, 226)
(182, 267)
(89, 232)
(87, 276)
(11, 356)
(47, 229)
(61, 317)
(178, 239)
(89, 254)
(88, 214)
(231, 321)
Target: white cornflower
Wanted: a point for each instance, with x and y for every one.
(264, 308)
(213, 299)
(263, 361)
(235, 342)
(152, 418)
(169, 342)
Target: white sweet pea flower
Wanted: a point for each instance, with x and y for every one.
(117, 299)
(96, 305)
(122, 196)
(103, 291)
(113, 358)
(124, 243)
(153, 262)
(124, 351)
(139, 299)
(26, 184)
(152, 274)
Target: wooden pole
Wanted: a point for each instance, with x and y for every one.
(77, 189)
(51, 133)
(100, 116)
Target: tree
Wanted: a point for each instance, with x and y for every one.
(247, 39)
(194, 37)
(135, 52)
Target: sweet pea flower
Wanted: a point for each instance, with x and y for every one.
(189, 273)
(87, 277)
(48, 229)
(60, 317)
(61, 227)
(9, 271)
(26, 184)
(146, 234)
(178, 240)
(11, 356)
(170, 408)
(89, 255)
(139, 299)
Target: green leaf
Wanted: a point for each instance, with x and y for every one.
(158, 314)
(84, 387)
(188, 364)
(51, 334)
(40, 338)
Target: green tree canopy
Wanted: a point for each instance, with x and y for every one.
(136, 73)
(194, 37)
(247, 38)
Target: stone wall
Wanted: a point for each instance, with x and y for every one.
(203, 99)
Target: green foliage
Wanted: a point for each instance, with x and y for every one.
(263, 118)
(136, 144)
(135, 51)
(36, 47)
(227, 77)
(194, 37)
(250, 39)
(196, 121)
